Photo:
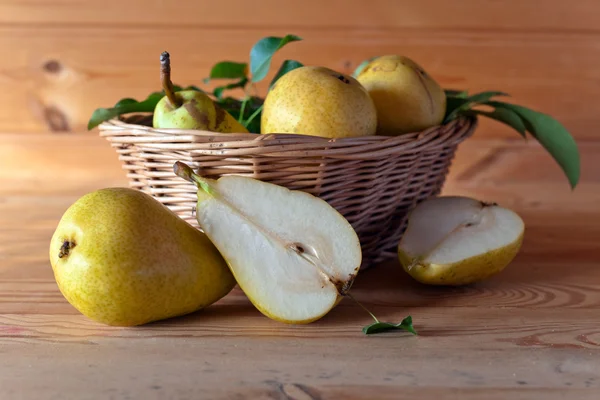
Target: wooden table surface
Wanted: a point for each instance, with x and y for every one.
(531, 332)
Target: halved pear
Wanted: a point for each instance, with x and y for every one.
(455, 240)
(292, 254)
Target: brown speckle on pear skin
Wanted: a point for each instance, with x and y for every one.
(196, 115)
(219, 116)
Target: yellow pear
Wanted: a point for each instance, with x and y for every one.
(406, 97)
(457, 240)
(190, 109)
(122, 258)
(318, 101)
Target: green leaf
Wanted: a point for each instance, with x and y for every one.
(378, 327)
(218, 92)
(456, 105)
(129, 105)
(228, 70)
(286, 66)
(506, 116)
(484, 96)
(463, 94)
(553, 136)
(125, 101)
(262, 53)
(234, 106)
(362, 66)
(453, 106)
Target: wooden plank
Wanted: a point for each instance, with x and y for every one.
(384, 369)
(57, 75)
(501, 15)
(527, 333)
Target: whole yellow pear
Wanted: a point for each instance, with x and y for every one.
(122, 258)
(406, 97)
(189, 109)
(195, 111)
(318, 101)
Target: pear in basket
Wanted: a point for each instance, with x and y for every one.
(318, 101)
(407, 98)
(190, 109)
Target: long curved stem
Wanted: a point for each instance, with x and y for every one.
(165, 79)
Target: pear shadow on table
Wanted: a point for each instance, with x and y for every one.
(391, 294)
(388, 292)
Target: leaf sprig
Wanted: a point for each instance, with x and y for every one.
(549, 132)
(244, 75)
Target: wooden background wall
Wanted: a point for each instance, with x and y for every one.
(60, 59)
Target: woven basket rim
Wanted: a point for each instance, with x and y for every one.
(125, 132)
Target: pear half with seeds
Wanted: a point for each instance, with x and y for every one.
(292, 253)
(455, 240)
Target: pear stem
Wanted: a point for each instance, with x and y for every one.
(183, 171)
(363, 307)
(165, 79)
(186, 172)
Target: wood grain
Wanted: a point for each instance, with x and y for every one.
(432, 14)
(529, 332)
(64, 65)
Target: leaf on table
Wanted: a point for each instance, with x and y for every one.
(228, 70)
(553, 136)
(262, 53)
(378, 327)
(129, 105)
(286, 66)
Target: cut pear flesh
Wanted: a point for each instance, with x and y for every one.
(454, 240)
(292, 254)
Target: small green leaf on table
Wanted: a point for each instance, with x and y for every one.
(262, 53)
(378, 327)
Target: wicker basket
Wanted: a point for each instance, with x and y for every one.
(373, 181)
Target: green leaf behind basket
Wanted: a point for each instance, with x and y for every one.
(262, 53)
(228, 70)
(550, 133)
(129, 105)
